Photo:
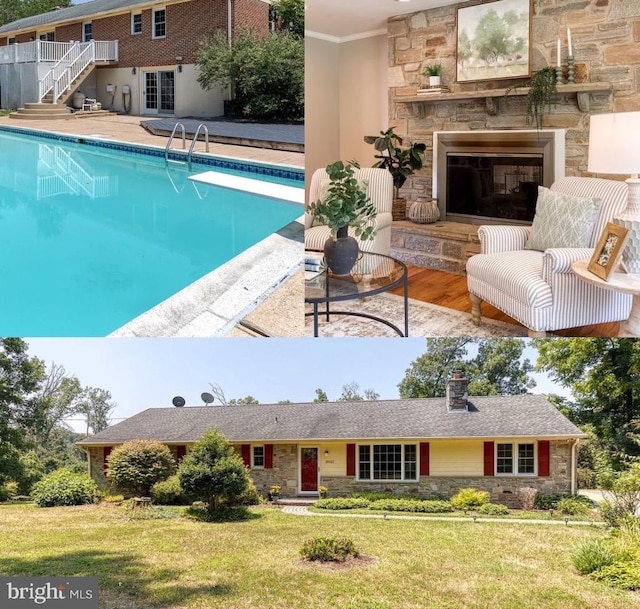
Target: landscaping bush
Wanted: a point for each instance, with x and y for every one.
(469, 499)
(550, 501)
(329, 549)
(494, 509)
(134, 467)
(625, 494)
(587, 478)
(169, 492)
(573, 507)
(251, 496)
(621, 574)
(8, 491)
(592, 555)
(65, 487)
(409, 505)
(198, 511)
(376, 495)
(526, 497)
(342, 503)
(113, 498)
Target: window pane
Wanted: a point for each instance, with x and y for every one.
(88, 32)
(364, 468)
(526, 460)
(504, 464)
(159, 24)
(258, 456)
(387, 462)
(410, 462)
(137, 23)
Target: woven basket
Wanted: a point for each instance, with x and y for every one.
(424, 212)
(399, 209)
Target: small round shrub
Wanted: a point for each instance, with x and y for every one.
(591, 555)
(469, 499)
(550, 501)
(169, 492)
(623, 574)
(251, 496)
(329, 549)
(376, 495)
(493, 509)
(113, 498)
(65, 487)
(573, 507)
(8, 491)
(409, 505)
(341, 503)
(134, 467)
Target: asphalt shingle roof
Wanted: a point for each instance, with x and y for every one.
(76, 11)
(488, 417)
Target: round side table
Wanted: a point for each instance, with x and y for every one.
(618, 282)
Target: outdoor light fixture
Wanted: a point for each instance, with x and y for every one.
(566, 520)
(613, 148)
(326, 453)
(134, 70)
(180, 68)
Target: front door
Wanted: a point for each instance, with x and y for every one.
(309, 470)
(159, 92)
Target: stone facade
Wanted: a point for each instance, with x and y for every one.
(283, 473)
(606, 41)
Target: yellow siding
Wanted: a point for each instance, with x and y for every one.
(456, 458)
(335, 463)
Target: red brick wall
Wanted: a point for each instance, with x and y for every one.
(3, 42)
(27, 37)
(251, 14)
(65, 33)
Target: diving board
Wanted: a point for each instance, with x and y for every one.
(265, 189)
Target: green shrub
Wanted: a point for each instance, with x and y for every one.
(587, 478)
(65, 487)
(198, 511)
(591, 555)
(573, 507)
(376, 495)
(113, 498)
(469, 499)
(621, 574)
(341, 503)
(411, 505)
(169, 492)
(550, 501)
(251, 496)
(134, 467)
(329, 549)
(611, 513)
(494, 509)
(8, 491)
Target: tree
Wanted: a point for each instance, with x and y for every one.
(496, 369)
(96, 405)
(214, 472)
(11, 10)
(351, 393)
(246, 400)
(267, 74)
(491, 37)
(134, 467)
(321, 396)
(20, 378)
(604, 377)
(289, 15)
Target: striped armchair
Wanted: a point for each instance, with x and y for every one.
(380, 190)
(539, 289)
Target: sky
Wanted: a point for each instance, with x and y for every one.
(145, 373)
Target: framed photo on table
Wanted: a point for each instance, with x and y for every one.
(608, 251)
(494, 41)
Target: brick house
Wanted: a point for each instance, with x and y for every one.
(428, 447)
(142, 56)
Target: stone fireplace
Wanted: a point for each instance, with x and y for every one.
(493, 176)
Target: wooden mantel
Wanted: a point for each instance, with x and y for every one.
(491, 97)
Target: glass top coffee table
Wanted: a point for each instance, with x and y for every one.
(371, 275)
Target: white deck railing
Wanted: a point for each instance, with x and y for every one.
(36, 51)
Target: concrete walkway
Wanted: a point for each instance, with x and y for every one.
(301, 510)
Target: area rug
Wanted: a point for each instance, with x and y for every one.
(424, 320)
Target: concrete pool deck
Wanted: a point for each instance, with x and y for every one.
(262, 283)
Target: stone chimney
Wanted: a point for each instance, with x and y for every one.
(457, 393)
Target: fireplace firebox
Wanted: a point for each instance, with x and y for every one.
(492, 177)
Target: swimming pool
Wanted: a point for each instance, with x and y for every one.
(93, 234)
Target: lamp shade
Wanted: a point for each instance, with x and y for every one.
(613, 143)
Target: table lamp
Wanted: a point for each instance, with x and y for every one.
(614, 148)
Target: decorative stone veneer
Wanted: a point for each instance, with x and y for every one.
(501, 488)
(606, 40)
(284, 471)
(96, 463)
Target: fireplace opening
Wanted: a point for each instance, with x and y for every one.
(492, 177)
(493, 185)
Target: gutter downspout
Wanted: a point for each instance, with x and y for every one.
(574, 464)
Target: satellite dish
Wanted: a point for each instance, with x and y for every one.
(178, 401)
(207, 398)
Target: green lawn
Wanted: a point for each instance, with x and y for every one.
(175, 563)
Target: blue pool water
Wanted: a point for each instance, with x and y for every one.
(92, 237)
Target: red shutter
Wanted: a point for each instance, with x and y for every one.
(245, 451)
(424, 458)
(543, 458)
(488, 459)
(268, 456)
(351, 459)
(181, 451)
(106, 452)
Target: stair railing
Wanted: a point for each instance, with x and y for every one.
(66, 70)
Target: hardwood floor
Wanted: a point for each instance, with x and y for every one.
(449, 290)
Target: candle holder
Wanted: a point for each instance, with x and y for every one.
(570, 69)
(559, 75)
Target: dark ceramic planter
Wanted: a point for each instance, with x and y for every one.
(341, 254)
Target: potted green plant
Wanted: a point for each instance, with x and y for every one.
(345, 204)
(434, 72)
(274, 492)
(402, 163)
(542, 87)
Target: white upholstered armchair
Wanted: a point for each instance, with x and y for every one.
(538, 288)
(380, 191)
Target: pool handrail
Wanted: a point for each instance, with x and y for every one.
(195, 139)
(173, 133)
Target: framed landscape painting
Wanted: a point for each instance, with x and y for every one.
(494, 41)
